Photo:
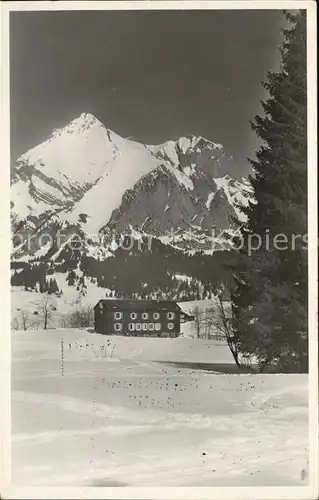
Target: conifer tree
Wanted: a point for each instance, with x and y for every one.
(270, 298)
(71, 277)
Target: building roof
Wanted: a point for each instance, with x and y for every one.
(138, 304)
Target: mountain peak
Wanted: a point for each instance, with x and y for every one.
(195, 141)
(80, 124)
(84, 170)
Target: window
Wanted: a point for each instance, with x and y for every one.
(133, 315)
(144, 315)
(101, 305)
(170, 326)
(138, 326)
(170, 315)
(131, 327)
(151, 326)
(158, 326)
(118, 315)
(156, 315)
(118, 327)
(144, 326)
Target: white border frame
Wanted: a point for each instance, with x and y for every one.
(191, 493)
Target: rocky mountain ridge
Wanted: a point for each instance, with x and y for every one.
(87, 179)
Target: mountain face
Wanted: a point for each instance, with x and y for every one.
(87, 179)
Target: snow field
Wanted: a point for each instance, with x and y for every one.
(105, 412)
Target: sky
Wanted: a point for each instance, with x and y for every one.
(148, 75)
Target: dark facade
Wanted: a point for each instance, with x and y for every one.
(138, 318)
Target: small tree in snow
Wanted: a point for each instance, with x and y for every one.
(199, 320)
(82, 317)
(22, 321)
(222, 321)
(15, 324)
(45, 308)
(25, 321)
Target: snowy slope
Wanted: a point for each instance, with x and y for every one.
(238, 193)
(129, 165)
(24, 203)
(78, 152)
(117, 418)
(71, 160)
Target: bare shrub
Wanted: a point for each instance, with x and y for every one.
(15, 324)
(217, 321)
(82, 317)
(204, 323)
(199, 320)
(25, 320)
(22, 321)
(45, 308)
(222, 321)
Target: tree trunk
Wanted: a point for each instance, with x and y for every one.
(235, 355)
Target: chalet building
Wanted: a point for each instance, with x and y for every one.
(139, 318)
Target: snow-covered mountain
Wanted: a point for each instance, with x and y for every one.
(87, 178)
